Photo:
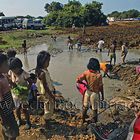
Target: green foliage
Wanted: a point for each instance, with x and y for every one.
(54, 6)
(115, 14)
(92, 13)
(51, 18)
(125, 14)
(75, 13)
(40, 17)
(15, 39)
(21, 91)
(29, 17)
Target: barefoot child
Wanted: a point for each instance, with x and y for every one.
(79, 45)
(21, 85)
(33, 91)
(112, 52)
(10, 128)
(70, 43)
(45, 85)
(94, 86)
(106, 68)
(24, 46)
(124, 52)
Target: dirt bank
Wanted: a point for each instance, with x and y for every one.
(131, 79)
(121, 32)
(65, 124)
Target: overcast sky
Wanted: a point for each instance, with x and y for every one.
(36, 7)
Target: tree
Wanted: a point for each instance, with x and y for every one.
(29, 17)
(74, 13)
(40, 17)
(115, 14)
(92, 14)
(72, 4)
(19, 16)
(54, 6)
(133, 13)
(125, 14)
(50, 20)
(97, 5)
(47, 8)
(2, 14)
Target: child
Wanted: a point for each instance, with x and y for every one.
(24, 47)
(34, 92)
(11, 53)
(112, 52)
(100, 45)
(94, 86)
(106, 68)
(21, 85)
(79, 45)
(70, 43)
(124, 52)
(54, 38)
(45, 85)
(10, 128)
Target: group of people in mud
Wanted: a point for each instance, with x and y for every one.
(71, 44)
(100, 47)
(20, 89)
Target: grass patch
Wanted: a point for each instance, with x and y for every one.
(15, 38)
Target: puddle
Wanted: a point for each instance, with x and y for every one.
(66, 66)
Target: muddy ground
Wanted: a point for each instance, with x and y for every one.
(127, 73)
(66, 124)
(121, 32)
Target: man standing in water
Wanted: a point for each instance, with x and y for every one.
(124, 52)
(100, 45)
(84, 30)
(112, 52)
(70, 43)
(24, 47)
(73, 27)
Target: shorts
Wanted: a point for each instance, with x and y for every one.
(92, 98)
(112, 55)
(18, 102)
(9, 126)
(123, 55)
(70, 45)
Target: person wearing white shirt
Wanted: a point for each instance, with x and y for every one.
(100, 45)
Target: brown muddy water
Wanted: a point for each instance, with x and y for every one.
(66, 66)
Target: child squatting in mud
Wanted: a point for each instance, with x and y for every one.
(94, 86)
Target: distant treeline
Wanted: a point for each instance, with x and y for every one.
(65, 15)
(125, 14)
(2, 14)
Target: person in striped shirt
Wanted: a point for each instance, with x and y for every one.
(10, 128)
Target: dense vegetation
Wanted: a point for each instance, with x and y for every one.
(125, 14)
(65, 15)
